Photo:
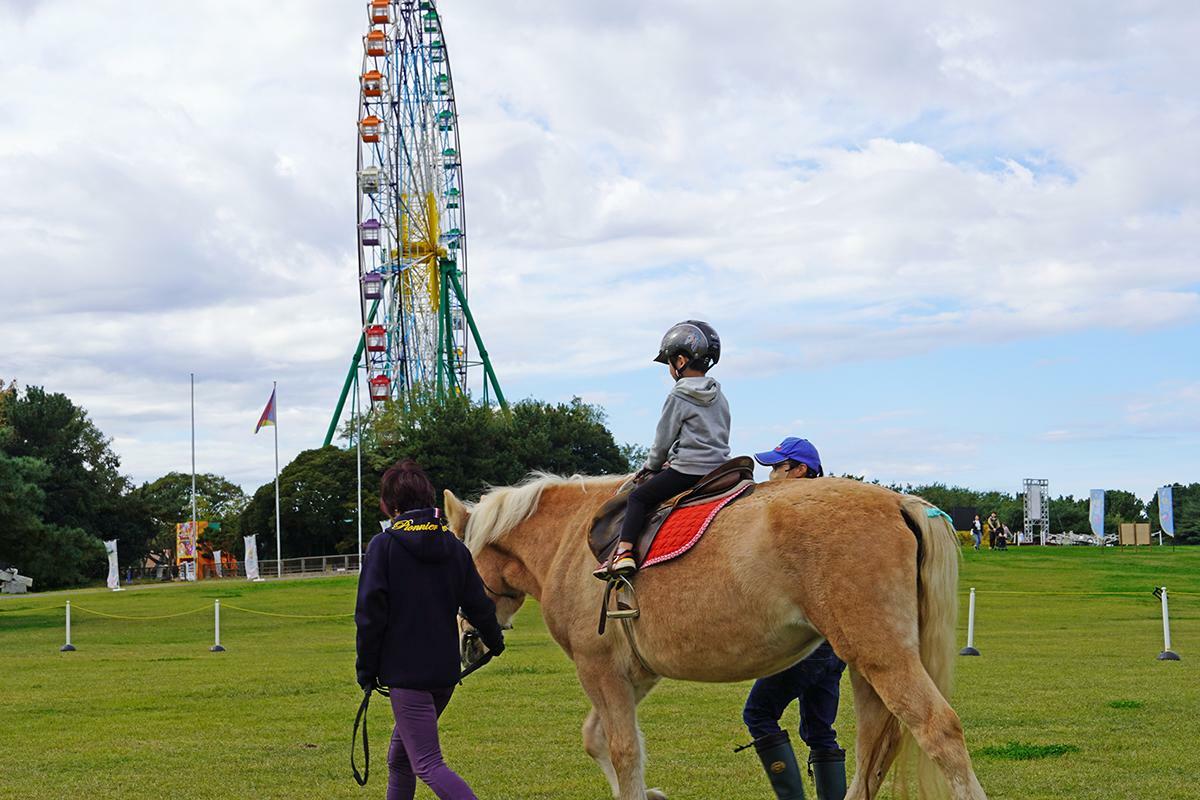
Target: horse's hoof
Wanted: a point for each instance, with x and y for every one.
(656, 794)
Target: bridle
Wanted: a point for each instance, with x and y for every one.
(471, 634)
(506, 596)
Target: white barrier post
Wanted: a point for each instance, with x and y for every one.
(216, 648)
(970, 650)
(1167, 654)
(68, 647)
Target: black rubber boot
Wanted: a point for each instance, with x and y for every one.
(779, 760)
(828, 768)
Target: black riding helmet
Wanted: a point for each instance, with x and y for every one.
(696, 340)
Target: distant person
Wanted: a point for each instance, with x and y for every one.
(993, 526)
(977, 532)
(815, 682)
(415, 578)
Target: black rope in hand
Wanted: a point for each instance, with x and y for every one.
(360, 721)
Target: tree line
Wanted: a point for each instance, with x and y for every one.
(62, 492)
(1068, 513)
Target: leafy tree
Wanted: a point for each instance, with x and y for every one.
(1069, 514)
(463, 446)
(635, 456)
(169, 501)
(566, 438)
(53, 556)
(467, 446)
(1186, 506)
(82, 486)
(1009, 508)
(316, 505)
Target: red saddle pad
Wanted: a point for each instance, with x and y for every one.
(683, 529)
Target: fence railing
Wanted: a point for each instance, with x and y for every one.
(269, 568)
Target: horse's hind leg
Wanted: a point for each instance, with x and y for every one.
(596, 745)
(909, 693)
(879, 738)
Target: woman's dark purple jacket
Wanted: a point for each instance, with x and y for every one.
(415, 578)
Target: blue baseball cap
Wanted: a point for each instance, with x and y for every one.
(792, 449)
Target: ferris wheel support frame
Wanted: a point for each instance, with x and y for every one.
(418, 331)
(445, 386)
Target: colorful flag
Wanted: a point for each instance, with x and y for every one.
(268, 415)
(1096, 517)
(1166, 510)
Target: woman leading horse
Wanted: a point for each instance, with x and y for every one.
(797, 562)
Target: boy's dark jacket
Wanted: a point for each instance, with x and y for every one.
(415, 578)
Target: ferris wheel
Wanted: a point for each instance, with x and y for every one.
(418, 332)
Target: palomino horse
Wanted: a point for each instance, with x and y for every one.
(797, 561)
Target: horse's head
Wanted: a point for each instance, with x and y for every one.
(492, 565)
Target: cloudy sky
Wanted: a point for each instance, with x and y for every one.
(948, 241)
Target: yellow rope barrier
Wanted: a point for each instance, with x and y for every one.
(1146, 592)
(24, 610)
(287, 616)
(78, 607)
(1067, 594)
(159, 616)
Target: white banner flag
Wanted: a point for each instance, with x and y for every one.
(252, 557)
(217, 563)
(110, 547)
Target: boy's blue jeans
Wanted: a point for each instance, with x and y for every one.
(815, 682)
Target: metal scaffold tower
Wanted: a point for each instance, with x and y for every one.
(1037, 508)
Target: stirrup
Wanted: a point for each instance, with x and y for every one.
(621, 610)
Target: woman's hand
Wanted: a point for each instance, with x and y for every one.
(367, 681)
(498, 649)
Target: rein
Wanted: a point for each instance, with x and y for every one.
(360, 720)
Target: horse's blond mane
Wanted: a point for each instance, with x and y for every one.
(503, 508)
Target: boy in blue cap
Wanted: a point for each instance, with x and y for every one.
(815, 682)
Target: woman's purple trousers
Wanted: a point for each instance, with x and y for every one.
(415, 752)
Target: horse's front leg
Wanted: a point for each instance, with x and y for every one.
(614, 701)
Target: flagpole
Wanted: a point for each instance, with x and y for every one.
(358, 452)
(278, 551)
(195, 536)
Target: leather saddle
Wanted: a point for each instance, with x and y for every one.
(734, 476)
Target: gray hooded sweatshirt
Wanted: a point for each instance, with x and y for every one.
(693, 433)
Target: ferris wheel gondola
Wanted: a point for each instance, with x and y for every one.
(418, 332)
(412, 232)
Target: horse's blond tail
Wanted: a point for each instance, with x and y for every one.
(937, 608)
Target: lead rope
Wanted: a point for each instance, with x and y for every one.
(360, 721)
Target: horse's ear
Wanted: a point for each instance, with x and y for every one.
(456, 513)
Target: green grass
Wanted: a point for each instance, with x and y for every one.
(1126, 704)
(143, 710)
(1020, 751)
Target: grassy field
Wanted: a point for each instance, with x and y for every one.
(1067, 701)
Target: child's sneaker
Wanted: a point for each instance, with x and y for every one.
(623, 563)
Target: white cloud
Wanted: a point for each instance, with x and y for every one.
(881, 179)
